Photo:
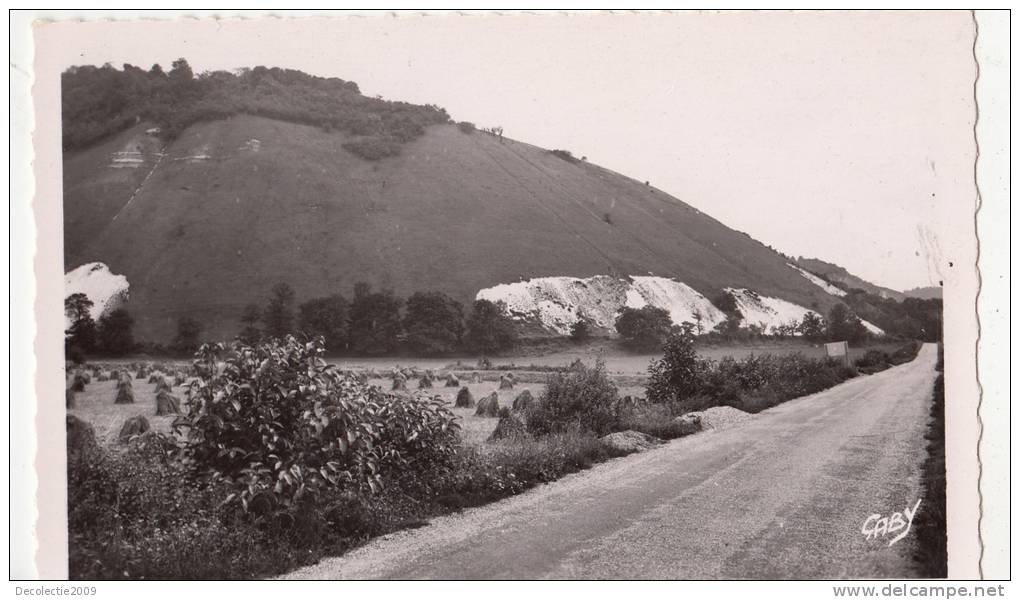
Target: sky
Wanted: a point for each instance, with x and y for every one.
(843, 136)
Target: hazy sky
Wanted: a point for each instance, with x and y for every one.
(832, 135)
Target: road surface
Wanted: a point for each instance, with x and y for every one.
(783, 495)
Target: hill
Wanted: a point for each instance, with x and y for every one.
(924, 293)
(206, 220)
(841, 277)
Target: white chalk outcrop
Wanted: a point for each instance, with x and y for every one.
(558, 302)
(825, 285)
(767, 312)
(104, 288)
(770, 313)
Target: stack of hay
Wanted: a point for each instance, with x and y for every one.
(464, 398)
(488, 406)
(125, 393)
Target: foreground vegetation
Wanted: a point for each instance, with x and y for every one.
(931, 549)
(279, 459)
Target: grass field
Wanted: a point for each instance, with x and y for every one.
(96, 406)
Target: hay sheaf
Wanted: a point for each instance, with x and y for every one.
(133, 427)
(488, 406)
(464, 398)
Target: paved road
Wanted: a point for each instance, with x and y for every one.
(783, 495)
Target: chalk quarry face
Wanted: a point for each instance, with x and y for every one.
(105, 289)
(557, 303)
(554, 303)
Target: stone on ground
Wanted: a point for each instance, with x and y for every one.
(719, 417)
(630, 441)
(688, 423)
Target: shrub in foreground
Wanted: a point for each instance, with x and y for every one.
(507, 467)
(279, 426)
(583, 398)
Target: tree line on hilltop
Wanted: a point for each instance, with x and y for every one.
(97, 102)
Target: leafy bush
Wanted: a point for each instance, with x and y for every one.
(678, 374)
(584, 399)
(685, 382)
(643, 328)
(509, 467)
(466, 127)
(137, 515)
(279, 426)
(873, 361)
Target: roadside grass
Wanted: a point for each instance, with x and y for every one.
(931, 548)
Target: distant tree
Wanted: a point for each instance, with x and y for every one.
(278, 316)
(250, 318)
(115, 333)
(81, 335)
(374, 323)
(580, 331)
(180, 72)
(189, 332)
(643, 328)
(434, 323)
(843, 325)
(729, 327)
(812, 327)
(489, 328)
(699, 321)
(725, 302)
(326, 317)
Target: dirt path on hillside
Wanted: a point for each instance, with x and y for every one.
(783, 495)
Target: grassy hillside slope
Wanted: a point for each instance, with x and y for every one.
(454, 212)
(840, 276)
